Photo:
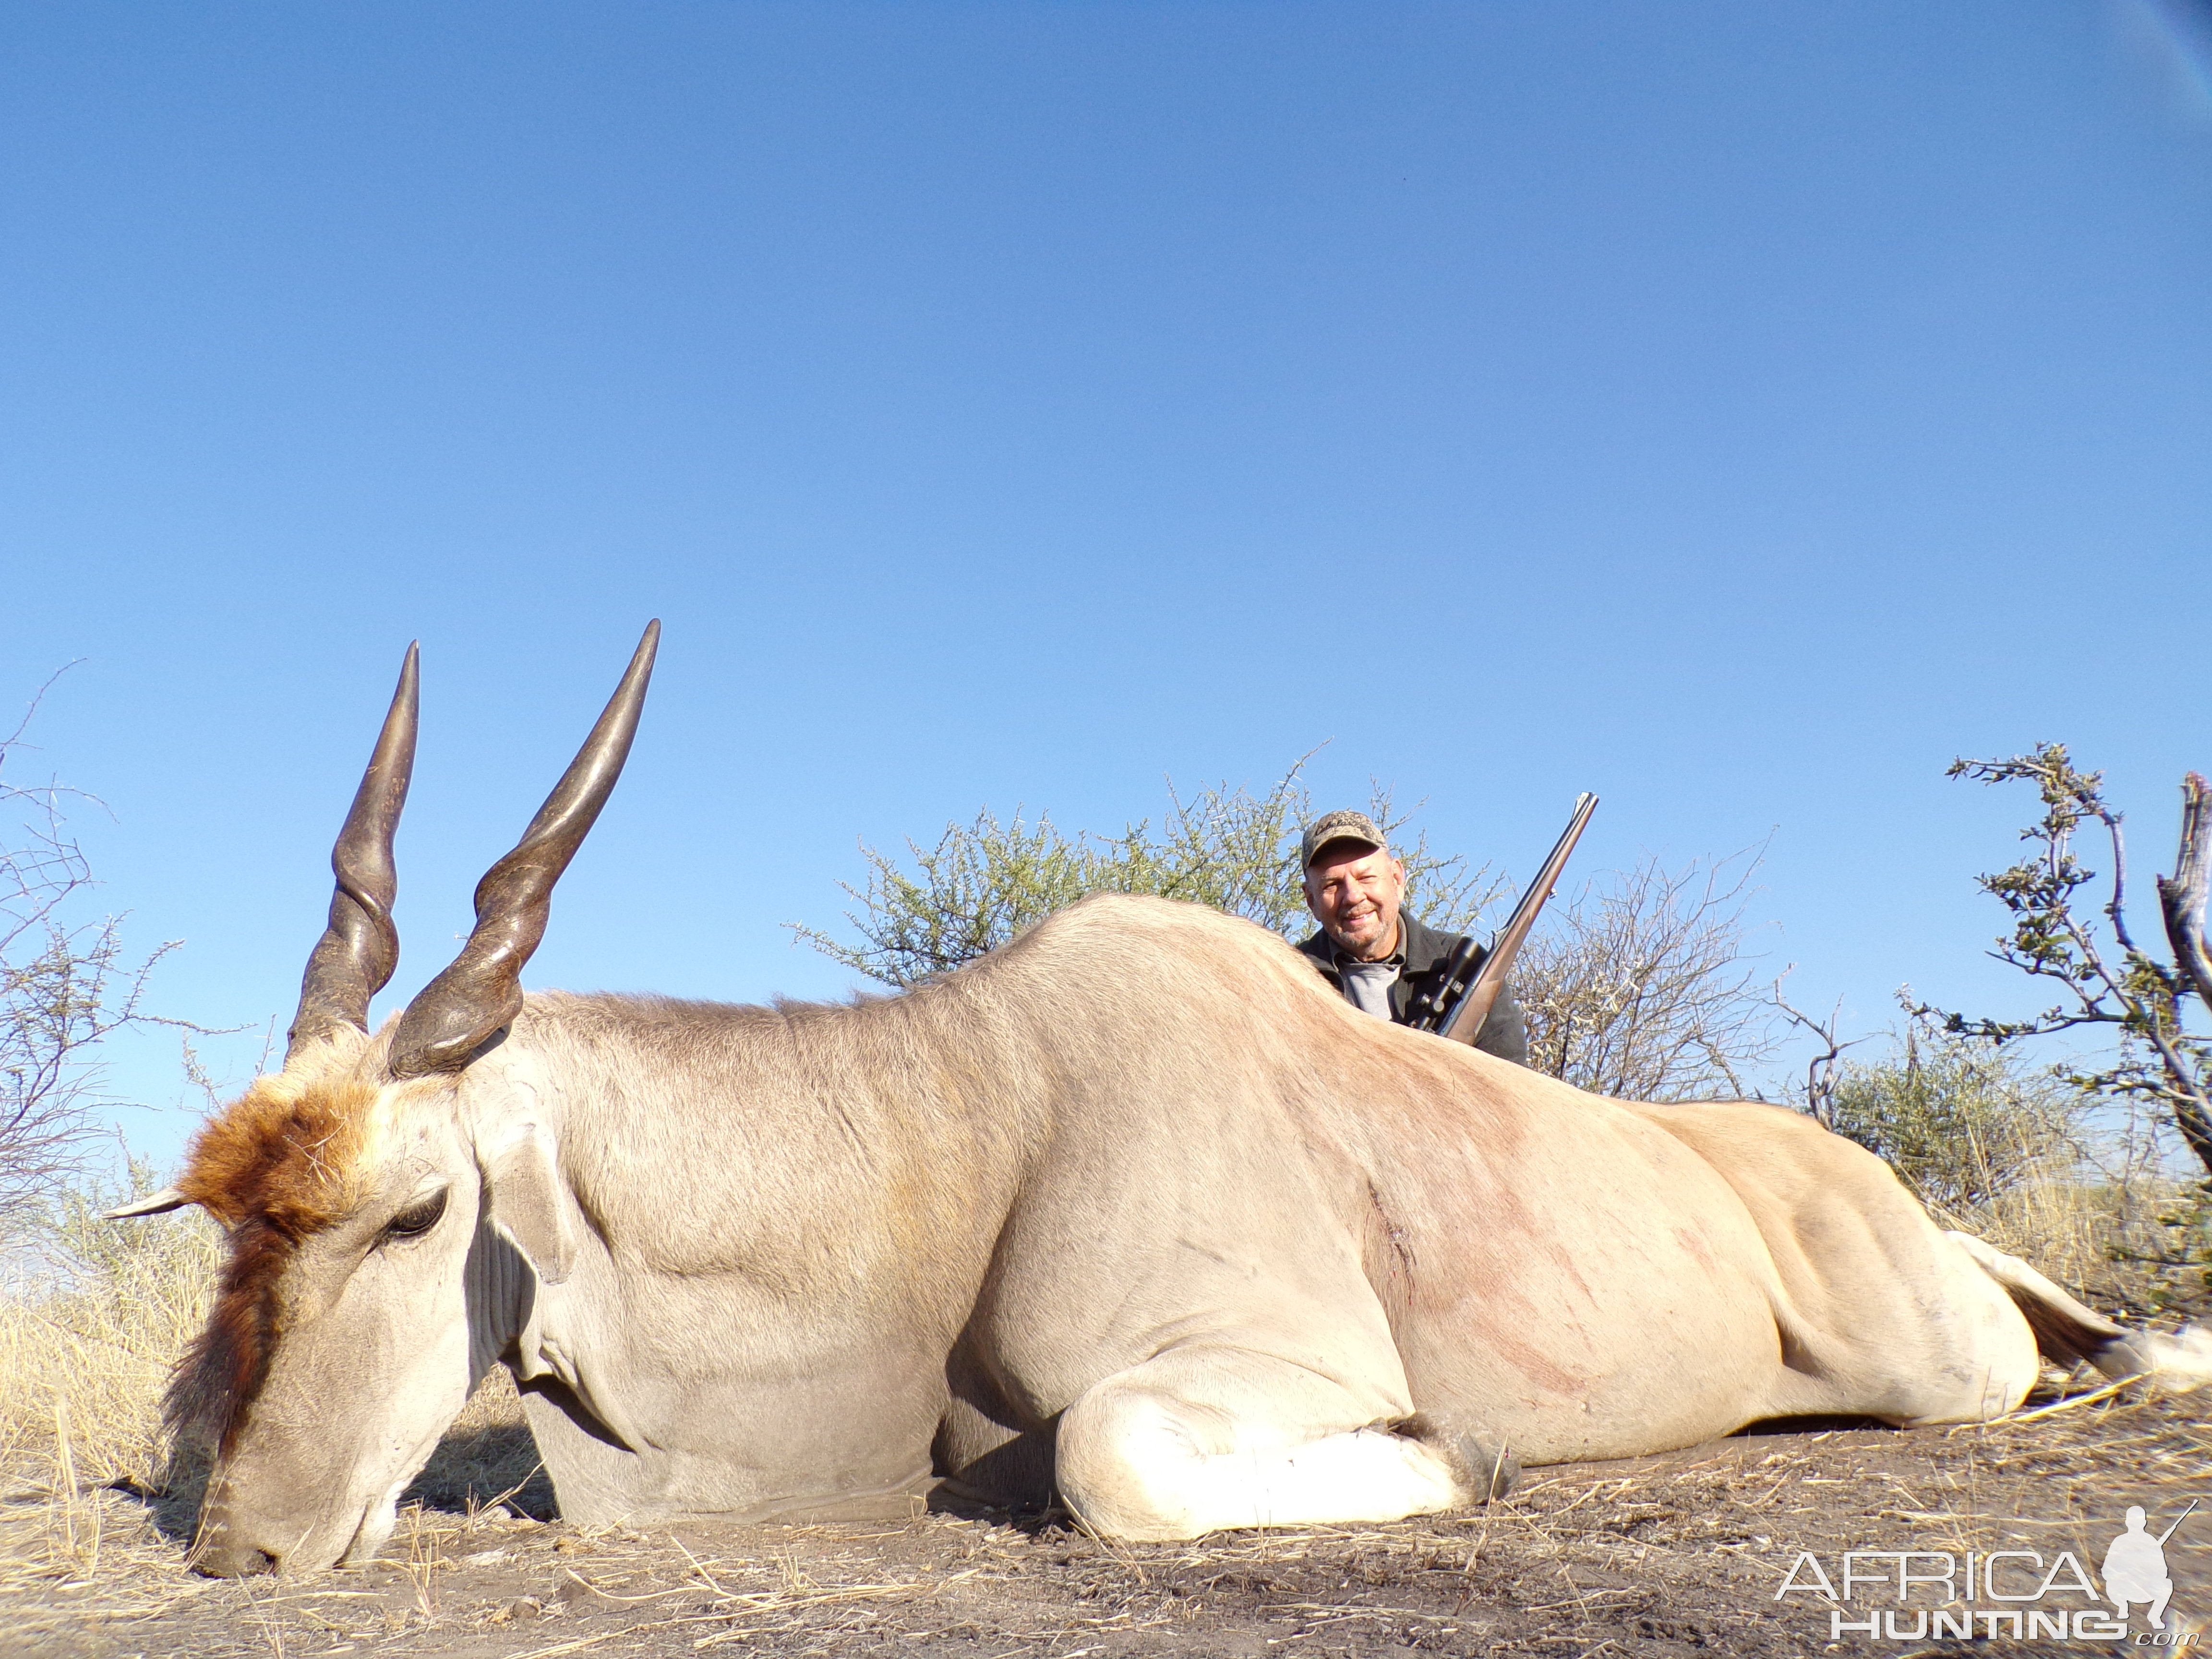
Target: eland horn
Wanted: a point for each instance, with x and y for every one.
(455, 1013)
(361, 947)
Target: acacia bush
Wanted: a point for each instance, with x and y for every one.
(2109, 987)
(2130, 1024)
(92, 1314)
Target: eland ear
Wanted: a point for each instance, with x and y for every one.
(526, 1203)
(158, 1203)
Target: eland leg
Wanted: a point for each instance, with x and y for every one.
(1199, 1440)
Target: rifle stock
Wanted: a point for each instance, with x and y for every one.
(1465, 1024)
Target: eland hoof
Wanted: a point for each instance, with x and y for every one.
(1483, 1465)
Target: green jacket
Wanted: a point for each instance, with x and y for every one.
(1505, 1034)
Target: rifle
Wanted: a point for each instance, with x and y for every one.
(1461, 995)
(2178, 1520)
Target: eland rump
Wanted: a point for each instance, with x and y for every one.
(1134, 1209)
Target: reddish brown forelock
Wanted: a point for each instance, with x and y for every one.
(223, 1370)
(285, 1150)
(279, 1164)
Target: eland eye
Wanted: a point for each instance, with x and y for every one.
(418, 1218)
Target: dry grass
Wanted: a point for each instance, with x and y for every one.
(2113, 1241)
(88, 1331)
(87, 1335)
(487, 1458)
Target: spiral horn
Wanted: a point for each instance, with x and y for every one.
(361, 947)
(455, 1013)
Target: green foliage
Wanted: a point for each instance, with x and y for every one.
(1957, 1117)
(986, 882)
(2119, 987)
(2182, 1251)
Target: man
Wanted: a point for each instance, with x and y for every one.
(2135, 1569)
(1380, 958)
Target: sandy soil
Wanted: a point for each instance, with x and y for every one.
(1673, 1555)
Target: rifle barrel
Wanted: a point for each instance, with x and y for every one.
(2178, 1520)
(1465, 1024)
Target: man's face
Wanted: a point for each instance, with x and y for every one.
(1354, 891)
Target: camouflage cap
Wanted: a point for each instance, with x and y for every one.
(1346, 825)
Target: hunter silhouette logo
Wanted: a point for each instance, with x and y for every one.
(2135, 1567)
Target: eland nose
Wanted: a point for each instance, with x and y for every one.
(222, 1560)
(223, 1551)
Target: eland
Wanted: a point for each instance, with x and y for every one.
(1133, 1211)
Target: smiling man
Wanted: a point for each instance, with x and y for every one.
(1367, 947)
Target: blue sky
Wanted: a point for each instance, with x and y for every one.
(1736, 410)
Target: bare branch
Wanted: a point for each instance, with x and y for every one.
(1820, 1074)
(2115, 907)
(1638, 987)
(2182, 896)
(65, 985)
(2140, 996)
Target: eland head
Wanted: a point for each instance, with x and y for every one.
(381, 1225)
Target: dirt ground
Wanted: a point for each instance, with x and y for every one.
(1675, 1555)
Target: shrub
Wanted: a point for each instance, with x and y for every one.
(1959, 1119)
